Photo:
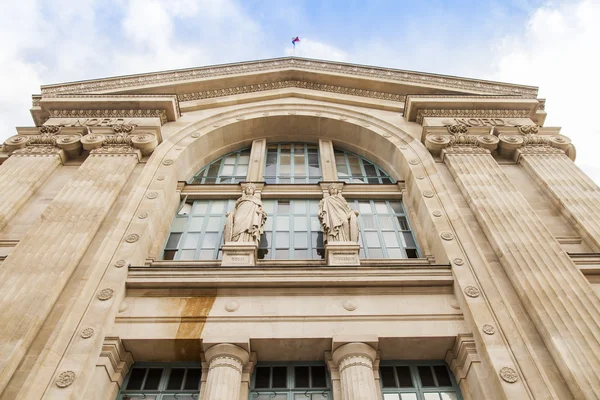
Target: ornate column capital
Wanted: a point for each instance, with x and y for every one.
(460, 139)
(44, 141)
(122, 140)
(532, 139)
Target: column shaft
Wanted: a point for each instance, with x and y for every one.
(35, 273)
(355, 364)
(20, 177)
(558, 298)
(576, 194)
(226, 364)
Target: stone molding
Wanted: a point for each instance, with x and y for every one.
(115, 359)
(468, 113)
(194, 74)
(133, 113)
(462, 356)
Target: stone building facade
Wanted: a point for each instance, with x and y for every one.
(475, 273)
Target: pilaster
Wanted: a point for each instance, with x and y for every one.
(558, 298)
(35, 273)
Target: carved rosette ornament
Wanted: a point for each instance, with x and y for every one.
(488, 329)
(105, 294)
(87, 333)
(65, 379)
(509, 375)
(472, 291)
(132, 238)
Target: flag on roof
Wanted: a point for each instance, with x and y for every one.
(295, 40)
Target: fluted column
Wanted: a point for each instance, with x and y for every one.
(556, 295)
(576, 194)
(226, 365)
(35, 273)
(355, 365)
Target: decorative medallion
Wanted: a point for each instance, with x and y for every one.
(508, 375)
(402, 147)
(447, 235)
(349, 305)
(120, 264)
(65, 379)
(488, 329)
(178, 148)
(123, 306)
(105, 294)
(160, 178)
(195, 135)
(437, 213)
(168, 162)
(131, 238)
(143, 215)
(454, 304)
(472, 291)
(428, 193)
(232, 306)
(152, 195)
(458, 261)
(414, 161)
(49, 129)
(420, 177)
(87, 333)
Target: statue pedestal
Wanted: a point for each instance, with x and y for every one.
(239, 254)
(342, 253)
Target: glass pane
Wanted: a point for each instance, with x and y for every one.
(218, 207)
(153, 379)
(368, 222)
(300, 224)
(426, 376)
(214, 169)
(268, 206)
(372, 239)
(403, 223)
(191, 241)
(262, 377)
(200, 207)
(387, 377)
(314, 206)
(214, 224)
(409, 396)
(187, 254)
(381, 207)
(391, 396)
(397, 207)
(283, 254)
(173, 242)
(315, 225)
(282, 240)
(408, 239)
(244, 158)
(404, 377)
(210, 240)
(301, 377)
(299, 207)
(178, 224)
(175, 379)
(364, 207)
(448, 396)
(300, 240)
(283, 223)
(390, 239)
(319, 377)
(386, 222)
(206, 254)
(283, 206)
(279, 377)
(230, 159)
(432, 396)
(192, 380)
(375, 253)
(136, 379)
(169, 254)
(441, 372)
(196, 224)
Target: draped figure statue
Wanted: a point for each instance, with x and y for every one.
(245, 223)
(338, 221)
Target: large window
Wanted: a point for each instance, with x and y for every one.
(292, 163)
(292, 230)
(231, 168)
(418, 381)
(162, 382)
(291, 382)
(352, 168)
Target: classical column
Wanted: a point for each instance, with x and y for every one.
(557, 297)
(226, 365)
(35, 273)
(355, 365)
(574, 192)
(33, 159)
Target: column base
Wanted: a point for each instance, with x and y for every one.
(239, 254)
(342, 253)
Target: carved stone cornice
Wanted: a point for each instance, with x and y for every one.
(292, 63)
(139, 113)
(464, 113)
(208, 94)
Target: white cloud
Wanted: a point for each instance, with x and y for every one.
(314, 49)
(558, 51)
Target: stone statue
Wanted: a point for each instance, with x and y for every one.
(245, 223)
(338, 220)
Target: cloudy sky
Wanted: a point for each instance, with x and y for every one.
(553, 45)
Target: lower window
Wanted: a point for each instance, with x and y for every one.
(418, 381)
(291, 382)
(162, 382)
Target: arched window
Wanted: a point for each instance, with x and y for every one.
(292, 163)
(352, 168)
(231, 168)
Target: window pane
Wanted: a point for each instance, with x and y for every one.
(375, 253)
(283, 223)
(300, 240)
(448, 396)
(390, 239)
(299, 207)
(318, 376)
(403, 223)
(206, 254)
(391, 396)
(408, 239)
(300, 224)
(301, 377)
(191, 241)
(282, 240)
(283, 207)
(409, 396)
(387, 376)
(368, 222)
(359, 169)
(200, 207)
(302, 254)
(441, 373)
(386, 222)
(397, 207)
(214, 224)
(218, 207)
(372, 239)
(432, 396)
(173, 241)
(364, 207)
(178, 224)
(175, 379)
(381, 207)
(404, 377)
(169, 254)
(153, 379)
(262, 377)
(196, 224)
(426, 376)
(136, 379)
(224, 168)
(187, 254)
(192, 380)
(279, 377)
